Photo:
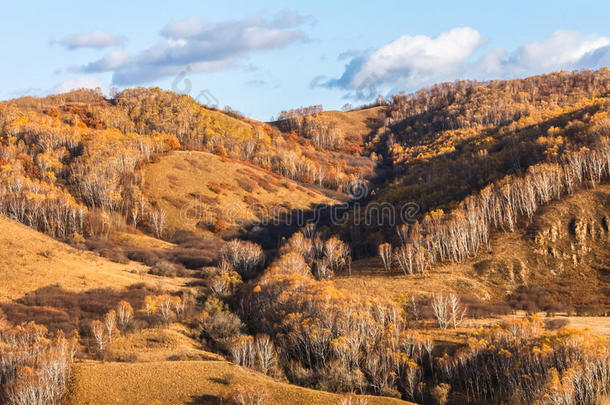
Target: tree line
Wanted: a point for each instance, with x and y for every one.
(460, 234)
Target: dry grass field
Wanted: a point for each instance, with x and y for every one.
(199, 187)
(140, 240)
(369, 278)
(165, 366)
(160, 344)
(184, 382)
(355, 124)
(30, 260)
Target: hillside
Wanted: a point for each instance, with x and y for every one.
(358, 126)
(202, 191)
(464, 230)
(165, 366)
(30, 260)
(558, 262)
(185, 382)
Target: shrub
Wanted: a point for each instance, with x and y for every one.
(351, 399)
(108, 250)
(220, 225)
(440, 393)
(167, 269)
(246, 184)
(218, 324)
(250, 395)
(556, 323)
(245, 257)
(214, 187)
(147, 256)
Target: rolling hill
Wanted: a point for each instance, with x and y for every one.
(185, 382)
(30, 260)
(205, 192)
(160, 231)
(557, 262)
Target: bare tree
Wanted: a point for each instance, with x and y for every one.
(336, 252)
(124, 313)
(244, 256)
(243, 351)
(385, 252)
(158, 219)
(323, 270)
(292, 262)
(403, 233)
(165, 307)
(98, 332)
(457, 310)
(265, 353)
(110, 323)
(442, 312)
(414, 308)
(405, 257)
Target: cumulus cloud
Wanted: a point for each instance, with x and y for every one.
(110, 61)
(412, 62)
(97, 39)
(563, 48)
(201, 46)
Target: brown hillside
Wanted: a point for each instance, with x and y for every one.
(356, 124)
(184, 382)
(197, 189)
(560, 259)
(30, 260)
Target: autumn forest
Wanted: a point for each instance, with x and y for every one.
(144, 230)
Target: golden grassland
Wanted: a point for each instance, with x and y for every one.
(140, 240)
(30, 260)
(183, 382)
(370, 279)
(357, 123)
(220, 187)
(168, 367)
(160, 344)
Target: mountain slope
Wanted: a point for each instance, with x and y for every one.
(185, 382)
(199, 190)
(557, 262)
(30, 260)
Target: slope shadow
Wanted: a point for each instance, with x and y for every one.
(206, 399)
(270, 234)
(57, 308)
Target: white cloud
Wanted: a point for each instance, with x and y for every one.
(185, 28)
(412, 62)
(418, 58)
(112, 60)
(563, 48)
(75, 83)
(97, 39)
(201, 46)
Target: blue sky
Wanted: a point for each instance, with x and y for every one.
(260, 58)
